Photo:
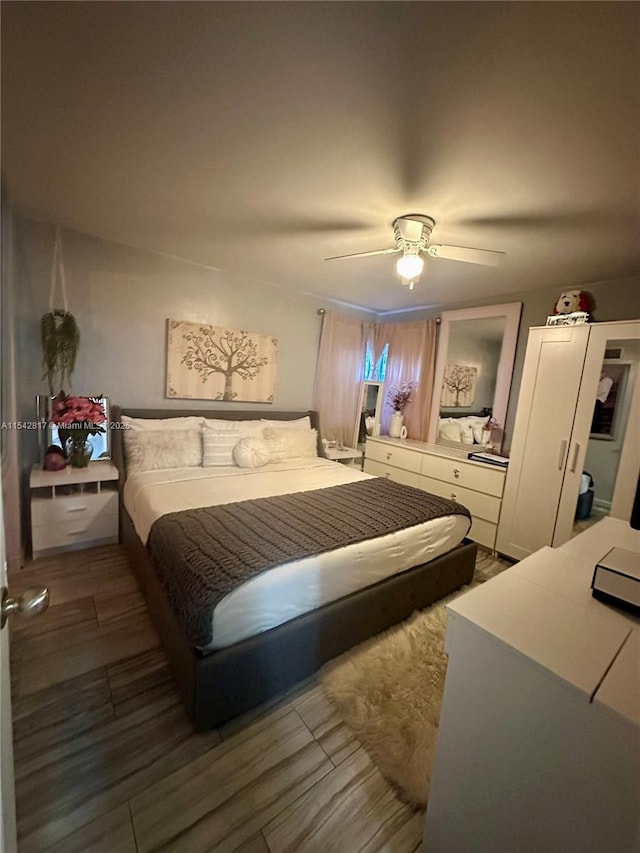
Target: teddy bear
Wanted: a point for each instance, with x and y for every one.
(572, 301)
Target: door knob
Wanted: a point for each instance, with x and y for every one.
(30, 603)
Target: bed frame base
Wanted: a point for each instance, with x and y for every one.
(219, 685)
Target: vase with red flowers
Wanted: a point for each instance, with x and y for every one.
(77, 418)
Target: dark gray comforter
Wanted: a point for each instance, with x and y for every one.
(201, 555)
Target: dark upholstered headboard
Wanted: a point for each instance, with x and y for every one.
(117, 443)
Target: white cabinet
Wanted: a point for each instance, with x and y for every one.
(539, 737)
(73, 508)
(444, 472)
(553, 420)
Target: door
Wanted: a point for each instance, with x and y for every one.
(542, 438)
(608, 452)
(8, 841)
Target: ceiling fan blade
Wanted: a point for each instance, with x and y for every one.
(469, 256)
(366, 254)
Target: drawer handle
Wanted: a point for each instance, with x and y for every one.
(77, 509)
(387, 475)
(456, 473)
(453, 496)
(388, 456)
(77, 532)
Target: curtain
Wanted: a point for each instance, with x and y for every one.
(412, 352)
(339, 376)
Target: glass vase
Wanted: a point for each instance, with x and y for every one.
(79, 451)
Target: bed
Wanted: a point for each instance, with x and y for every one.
(254, 653)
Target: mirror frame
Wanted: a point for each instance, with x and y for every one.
(511, 312)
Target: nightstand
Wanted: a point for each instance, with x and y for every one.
(347, 455)
(74, 508)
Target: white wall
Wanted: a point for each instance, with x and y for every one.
(122, 298)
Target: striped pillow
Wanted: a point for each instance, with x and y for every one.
(217, 447)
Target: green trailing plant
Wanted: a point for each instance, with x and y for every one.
(60, 338)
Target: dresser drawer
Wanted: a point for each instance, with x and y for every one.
(78, 507)
(391, 454)
(478, 504)
(378, 469)
(483, 532)
(77, 531)
(479, 477)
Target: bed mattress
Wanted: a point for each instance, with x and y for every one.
(289, 590)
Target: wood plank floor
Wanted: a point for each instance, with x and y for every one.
(106, 759)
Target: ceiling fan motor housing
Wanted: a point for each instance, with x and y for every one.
(413, 231)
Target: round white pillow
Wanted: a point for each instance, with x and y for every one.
(251, 453)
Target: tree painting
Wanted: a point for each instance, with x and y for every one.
(217, 363)
(458, 385)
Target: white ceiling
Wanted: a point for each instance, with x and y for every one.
(260, 138)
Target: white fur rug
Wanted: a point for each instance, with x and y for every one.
(388, 690)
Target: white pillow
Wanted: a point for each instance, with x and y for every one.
(151, 450)
(241, 429)
(292, 443)
(217, 447)
(251, 453)
(160, 424)
(298, 423)
(449, 430)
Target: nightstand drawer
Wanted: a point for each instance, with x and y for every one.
(391, 454)
(399, 475)
(76, 507)
(478, 504)
(478, 476)
(78, 531)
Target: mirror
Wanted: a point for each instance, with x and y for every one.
(369, 411)
(476, 350)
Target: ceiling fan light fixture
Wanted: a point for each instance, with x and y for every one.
(409, 266)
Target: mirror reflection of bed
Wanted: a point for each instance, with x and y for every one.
(473, 374)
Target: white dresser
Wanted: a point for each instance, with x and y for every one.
(445, 472)
(539, 738)
(73, 508)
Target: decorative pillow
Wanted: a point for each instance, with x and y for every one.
(294, 443)
(449, 430)
(151, 450)
(251, 453)
(241, 429)
(298, 423)
(160, 424)
(217, 447)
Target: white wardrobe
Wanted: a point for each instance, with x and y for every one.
(562, 369)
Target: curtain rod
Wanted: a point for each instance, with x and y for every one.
(321, 312)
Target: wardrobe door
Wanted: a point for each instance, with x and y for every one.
(542, 435)
(604, 443)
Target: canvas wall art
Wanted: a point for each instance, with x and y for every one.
(217, 363)
(458, 386)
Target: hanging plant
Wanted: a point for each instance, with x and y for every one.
(60, 339)
(59, 333)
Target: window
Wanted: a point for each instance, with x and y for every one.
(375, 372)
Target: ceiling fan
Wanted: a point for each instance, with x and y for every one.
(412, 233)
